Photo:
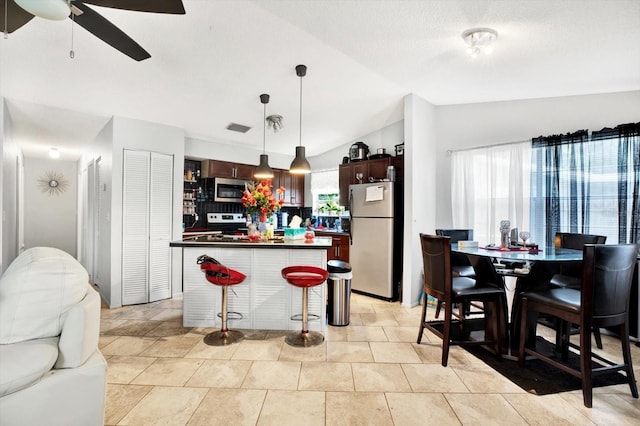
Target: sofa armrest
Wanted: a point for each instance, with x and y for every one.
(80, 331)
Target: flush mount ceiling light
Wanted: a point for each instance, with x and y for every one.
(479, 40)
(264, 171)
(56, 10)
(54, 153)
(300, 165)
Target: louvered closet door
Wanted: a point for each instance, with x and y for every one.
(135, 227)
(160, 220)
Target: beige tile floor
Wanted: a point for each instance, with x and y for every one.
(369, 373)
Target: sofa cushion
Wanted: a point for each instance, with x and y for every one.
(24, 363)
(36, 291)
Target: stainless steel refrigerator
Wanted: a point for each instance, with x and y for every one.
(376, 239)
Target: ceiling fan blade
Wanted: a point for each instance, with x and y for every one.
(16, 16)
(157, 6)
(100, 27)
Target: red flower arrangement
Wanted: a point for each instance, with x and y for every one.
(259, 198)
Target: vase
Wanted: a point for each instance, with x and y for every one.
(262, 223)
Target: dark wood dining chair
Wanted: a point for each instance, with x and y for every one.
(601, 301)
(570, 275)
(439, 283)
(460, 266)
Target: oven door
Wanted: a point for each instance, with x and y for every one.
(229, 190)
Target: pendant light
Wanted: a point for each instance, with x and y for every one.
(300, 165)
(263, 171)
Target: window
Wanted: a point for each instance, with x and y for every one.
(324, 189)
(489, 185)
(587, 184)
(575, 182)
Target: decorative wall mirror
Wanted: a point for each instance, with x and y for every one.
(53, 183)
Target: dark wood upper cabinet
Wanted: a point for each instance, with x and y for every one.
(226, 169)
(294, 187)
(372, 170)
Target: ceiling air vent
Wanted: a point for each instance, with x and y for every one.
(235, 127)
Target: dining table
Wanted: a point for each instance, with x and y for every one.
(533, 269)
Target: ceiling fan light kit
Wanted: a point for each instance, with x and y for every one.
(56, 10)
(479, 40)
(17, 13)
(300, 165)
(264, 171)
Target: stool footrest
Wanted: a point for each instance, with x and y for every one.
(310, 317)
(232, 315)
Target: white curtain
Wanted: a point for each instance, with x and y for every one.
(489, 185)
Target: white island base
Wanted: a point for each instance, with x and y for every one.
(265, 299)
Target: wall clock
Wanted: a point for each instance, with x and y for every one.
(53, 183)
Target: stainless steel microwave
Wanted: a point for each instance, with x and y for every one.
(229, 190)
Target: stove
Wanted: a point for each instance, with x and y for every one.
(229, 223)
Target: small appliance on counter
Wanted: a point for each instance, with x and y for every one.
(380, 153)
(359, 151)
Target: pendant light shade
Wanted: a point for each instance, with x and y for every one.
(300, 165)
(264, 171)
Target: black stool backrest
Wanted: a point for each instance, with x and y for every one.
(576, 242)
(436, 261)
(607, 277)
(457, 259)
(456, 234)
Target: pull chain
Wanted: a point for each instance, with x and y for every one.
(72, 54)
(6, 27)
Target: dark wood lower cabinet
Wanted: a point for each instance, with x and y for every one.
(339, 245)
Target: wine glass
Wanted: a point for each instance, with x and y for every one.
(524, 235)
(359, 176)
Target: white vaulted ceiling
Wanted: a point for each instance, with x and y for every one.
(209, 67)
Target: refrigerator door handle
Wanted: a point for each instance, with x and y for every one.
(350, 216)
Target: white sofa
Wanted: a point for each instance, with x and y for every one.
(51, 371)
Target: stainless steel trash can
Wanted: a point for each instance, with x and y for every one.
(339, 292)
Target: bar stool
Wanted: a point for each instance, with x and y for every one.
(304, 277)
(222, 276)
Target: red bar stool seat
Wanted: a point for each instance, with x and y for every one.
(304, 277)
(225, 277)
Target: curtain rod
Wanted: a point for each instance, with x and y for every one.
(451, 151)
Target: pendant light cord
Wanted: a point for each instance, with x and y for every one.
(300, 110)
(264, 130)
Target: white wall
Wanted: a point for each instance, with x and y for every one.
(387, 137)
(9, 176)
(102, 148)
(420, 190)
(474, 125)
(50, 219)
(223, 150)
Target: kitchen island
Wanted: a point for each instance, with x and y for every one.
(265, 300)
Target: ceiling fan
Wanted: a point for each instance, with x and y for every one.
(16, 13)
